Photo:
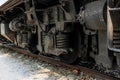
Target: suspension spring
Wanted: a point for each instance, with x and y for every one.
(62, 41)
(25, 37)
(43, 38)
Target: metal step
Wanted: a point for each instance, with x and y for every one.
(116, 42)
(116, 37)
(116, 29)
(116, 46)
(114, 9)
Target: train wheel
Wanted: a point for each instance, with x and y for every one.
(68, 58)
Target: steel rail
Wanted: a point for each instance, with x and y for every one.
(76, 68)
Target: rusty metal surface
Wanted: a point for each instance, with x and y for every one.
(87, 71)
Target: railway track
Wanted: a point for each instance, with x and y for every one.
(76, 69)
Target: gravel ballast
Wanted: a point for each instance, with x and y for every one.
(16, 66)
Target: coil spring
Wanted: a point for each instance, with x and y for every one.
(25, 37)
(62, 41)
(43, 38)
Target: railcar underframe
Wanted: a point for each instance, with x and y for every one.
(65, 29)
